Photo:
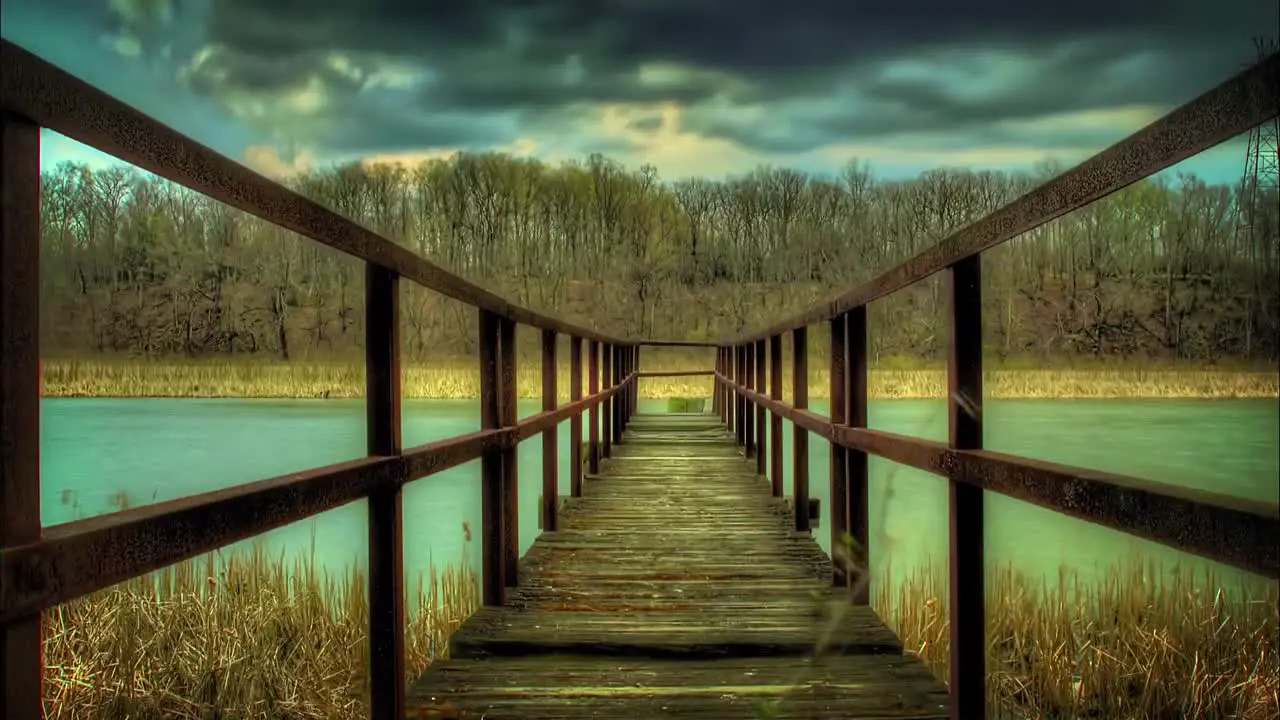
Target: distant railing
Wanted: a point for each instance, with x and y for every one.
(1238, 532)
(43, 567)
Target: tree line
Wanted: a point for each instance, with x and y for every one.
(140, 266)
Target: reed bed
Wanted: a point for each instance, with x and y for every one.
(458, 379)
(1146, 642)
(235, 635)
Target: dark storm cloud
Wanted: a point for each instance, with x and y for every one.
(536, 59)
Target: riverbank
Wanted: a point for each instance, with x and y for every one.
(458, 379)
(250, 636)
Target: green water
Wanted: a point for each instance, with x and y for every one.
(100, 453)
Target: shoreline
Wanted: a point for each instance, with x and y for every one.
(458, 381)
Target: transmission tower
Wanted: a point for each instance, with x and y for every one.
(1256, 237)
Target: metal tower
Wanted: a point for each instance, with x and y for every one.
(1256, 236)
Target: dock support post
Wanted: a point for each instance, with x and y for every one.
(575, 422)
(859, 502)
(965, 507)
(800, 436)
(21, 649)
(775, 421)
(748, 405)
(839, 489)
(762, 442)
(550, 474)
(593, 419)
(510, 466)
(739, 402)
(386, 519)
(492, 588)
(606, 415)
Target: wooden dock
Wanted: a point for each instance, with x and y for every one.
(676, 586)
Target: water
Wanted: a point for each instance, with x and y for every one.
(101, 454)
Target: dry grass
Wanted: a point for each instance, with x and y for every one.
(242, 636)
(459, 379)
(1143, 643)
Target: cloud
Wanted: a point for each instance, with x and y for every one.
(803, 79)
(268, 161)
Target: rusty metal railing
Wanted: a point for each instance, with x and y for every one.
(43, 567)
(1237, 532)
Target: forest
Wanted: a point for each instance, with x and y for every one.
(136, 266)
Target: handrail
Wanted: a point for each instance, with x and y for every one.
(1238, 532)
(1227, 110)
(42, 567)
(46, 95)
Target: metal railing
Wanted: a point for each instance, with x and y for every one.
(1242, 533)
(43, 567)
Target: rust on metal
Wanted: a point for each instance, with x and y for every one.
(859, 500)
(510, 464)
(749, 408)
(385, 506)
(967, 616)
(799, 436)
(21, 660)
(575, 421)
(607, 382)
(593, 386)
(839, 489)
(492, 589)
(1229, 109)
(775, 419)
(761, 443)
(550, 476)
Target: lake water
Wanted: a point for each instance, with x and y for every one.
(99, 453)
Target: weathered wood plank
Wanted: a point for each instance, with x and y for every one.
(677, 584)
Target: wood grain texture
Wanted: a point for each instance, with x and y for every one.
(676, 586)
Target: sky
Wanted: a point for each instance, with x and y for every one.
(692, 87)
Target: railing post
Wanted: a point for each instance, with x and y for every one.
(967, 617)
(620, 399)
(593, 419)
(386, 538)
(510, 465)
(635, 384)
(550, 476)
(575, 422)
(717, 386)
(739, 402)
(800, 436)
(606, 432)
(775, 421)
(839, 455)
(491, 549)
(761, 442)
(723, 386)
(748, 405)
(856, 397)
(21, 654)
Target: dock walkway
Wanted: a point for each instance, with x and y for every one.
(676, 586)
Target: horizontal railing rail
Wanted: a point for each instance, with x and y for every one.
(42, 567)
(1238, 532)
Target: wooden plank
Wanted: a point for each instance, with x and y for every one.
(21, 663)
(571, 687)
(676, 585)
(839, 487)
(761, 438)
(593, 422)
(859, 500)
(386, 519)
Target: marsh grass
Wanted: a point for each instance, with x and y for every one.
(1144, 642)
(457, 379)
(238, 635)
